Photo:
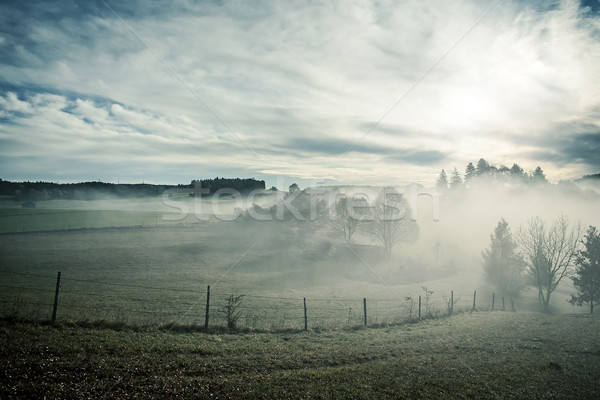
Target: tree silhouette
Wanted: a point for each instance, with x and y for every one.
(502, 266)
(549, 253)
(483, 167)
(293, 187)
(470, 172)
(455, 181)
(587, 273)
(517, 175)
(538, 176)
(442, 181)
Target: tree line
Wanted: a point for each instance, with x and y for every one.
(542, 254)
(30, 192)
(240, 185)
(484, 171)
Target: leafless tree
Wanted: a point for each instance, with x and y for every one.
(390, 223)
(549, 252)
(231, 310)
(348, 214)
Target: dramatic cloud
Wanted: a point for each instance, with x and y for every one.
(356, 92)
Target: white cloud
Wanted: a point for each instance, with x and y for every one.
(275, 74)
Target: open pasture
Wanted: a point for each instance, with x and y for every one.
(479, 355)
(156, 275)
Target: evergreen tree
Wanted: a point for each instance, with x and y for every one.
(483, 167)
(587, 272)
(455, 181)
(538, 176)
(517, 175)
(442, 181)
(516, 171)
(502, 266)
(469, 172)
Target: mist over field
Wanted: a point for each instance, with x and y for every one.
(289, 242)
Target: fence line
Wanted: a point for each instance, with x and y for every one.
(74, 301)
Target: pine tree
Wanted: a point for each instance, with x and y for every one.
(483, 167)
(469, 172)
(538, 176)
(455, 181)
(587, 273)
(517, 175)
(502, 266)
(442, 181)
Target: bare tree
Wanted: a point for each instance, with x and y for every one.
(348, 213)
(549, 253)
(389, 220)
(231, 310)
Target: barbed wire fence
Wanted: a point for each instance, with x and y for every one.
(47, 297)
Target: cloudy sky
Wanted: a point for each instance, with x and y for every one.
(378, 92)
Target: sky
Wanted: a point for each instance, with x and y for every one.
(342, 92)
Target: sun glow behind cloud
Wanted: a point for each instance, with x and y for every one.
(298, 86)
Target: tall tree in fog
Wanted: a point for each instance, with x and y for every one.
(587, 272)
(349, 212)
(442, 181)
(483, 167)
(470, 172)
(517, 175)
(502, 265)
(538, 176)
(549, 253)
(390, 223)
(455, 181)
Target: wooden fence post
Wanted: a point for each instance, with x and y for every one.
(305, 316)
(512, 304)
(493, 299)
(365, 309)
(474, 298)
(55, 308)
(207, 307)
(419, 307)
(451, 302)
(503, 303)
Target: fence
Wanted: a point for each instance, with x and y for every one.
(61, 297)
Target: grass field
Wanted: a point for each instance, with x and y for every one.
(152, 274)
(74, 214)
(157, 275)
(148, 211)
(132, 302)
(480, 355)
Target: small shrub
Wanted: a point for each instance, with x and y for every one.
(231, 310)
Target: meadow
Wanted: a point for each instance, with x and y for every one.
(157, 271)
(131, 316)
(472, 355)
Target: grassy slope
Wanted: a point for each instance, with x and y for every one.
(481, 355)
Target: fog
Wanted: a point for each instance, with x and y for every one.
(282, 242)
(301, 251)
